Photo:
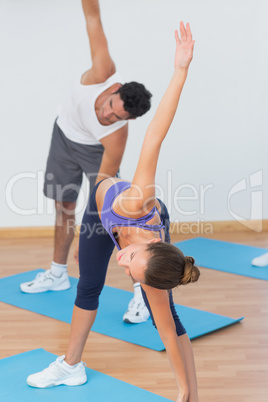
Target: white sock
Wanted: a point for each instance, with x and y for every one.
(58, 269)
(137, 290)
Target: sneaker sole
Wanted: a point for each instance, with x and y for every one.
(127, 321)
(45, 290)
(70, 382)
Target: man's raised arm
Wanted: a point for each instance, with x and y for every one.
(102, 64)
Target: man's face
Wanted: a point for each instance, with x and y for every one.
(112, 110)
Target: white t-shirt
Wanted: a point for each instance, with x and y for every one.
(77, 117)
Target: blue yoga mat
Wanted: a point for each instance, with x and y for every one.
(99, 388)
(224, 256)
(113, 302)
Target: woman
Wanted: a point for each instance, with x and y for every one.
(134, 220)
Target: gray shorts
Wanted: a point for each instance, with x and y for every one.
(66, 163)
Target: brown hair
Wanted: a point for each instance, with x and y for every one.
(167, 267)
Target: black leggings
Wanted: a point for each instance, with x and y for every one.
(95, 250)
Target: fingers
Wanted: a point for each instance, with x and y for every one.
(186, 34)
(177, 37)
(183, 31)
(189, 33)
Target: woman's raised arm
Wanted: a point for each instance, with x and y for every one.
(143, 189)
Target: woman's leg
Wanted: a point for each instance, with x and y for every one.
(95, 249)
(82, 321)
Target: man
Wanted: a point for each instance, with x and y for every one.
(89, 136)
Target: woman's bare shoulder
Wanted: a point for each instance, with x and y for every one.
(128, 203)
(103, 188)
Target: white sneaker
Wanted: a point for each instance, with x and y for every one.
(45, 281)
(137, 312)
(261, 261)
(59, 373)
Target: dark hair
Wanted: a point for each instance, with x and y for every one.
(168, 267)
(136, 98)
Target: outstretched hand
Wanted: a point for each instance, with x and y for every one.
(184, 46)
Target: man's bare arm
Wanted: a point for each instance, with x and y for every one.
(102, 64)
(114, 146)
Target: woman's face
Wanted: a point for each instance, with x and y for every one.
(134, 258)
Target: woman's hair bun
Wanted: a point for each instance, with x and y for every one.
(189, 260)
(191, 272)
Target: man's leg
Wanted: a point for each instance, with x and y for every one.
(63, 179)
(137, 311)
(63, 237)
(56, 278)
(64, 230)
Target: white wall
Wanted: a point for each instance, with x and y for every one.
(218, 138)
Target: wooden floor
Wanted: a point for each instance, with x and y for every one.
(232, 363)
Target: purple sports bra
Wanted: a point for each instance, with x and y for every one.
(110, 219)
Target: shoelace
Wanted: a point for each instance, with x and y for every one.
(58, 360)
(43, 275)
(137, 303)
